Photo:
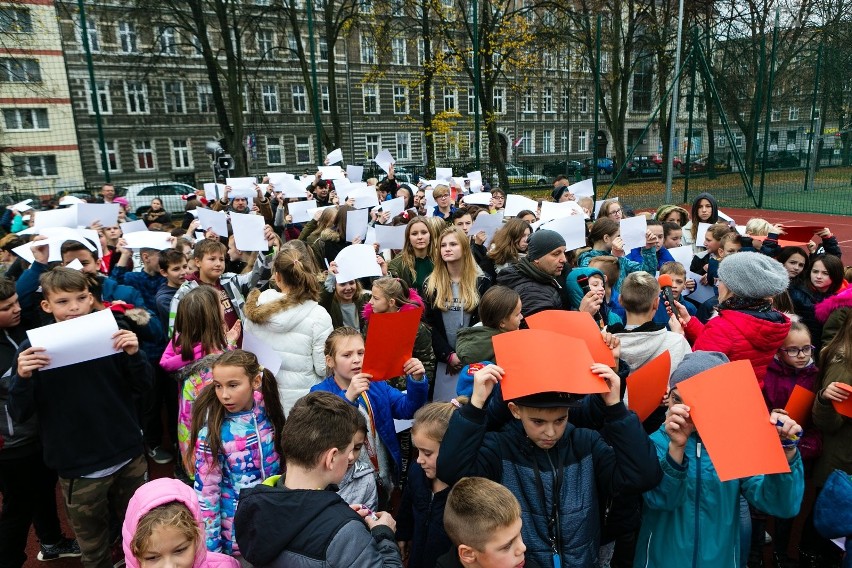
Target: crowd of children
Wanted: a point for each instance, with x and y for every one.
(315, 463)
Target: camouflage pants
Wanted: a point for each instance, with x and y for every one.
(91, 502)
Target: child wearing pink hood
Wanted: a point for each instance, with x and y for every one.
(163, 526)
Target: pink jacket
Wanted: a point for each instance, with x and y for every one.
(160, 492)
(172, 360)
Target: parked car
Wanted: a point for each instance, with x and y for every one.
(780, 159)
(564, 168)
(403, 174)
(699, 165)
(139, 195)
(605, 166)
(643, 167)
(658, 159)
(518, 175)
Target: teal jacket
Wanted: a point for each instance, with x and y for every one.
(691, 518)
(625, 265)
(575, 293)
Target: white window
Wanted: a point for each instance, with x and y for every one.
(136, 97)
(323, 49)
(274, 155)
(499, 100)
(421, 96)
(266, 44)
(527, 101)
(547, 100)
(398, 51)
(400, 99)
(528, 143)
(403, 146)
(604, 62)
(18, 70)
(300, 99)
(776, 115)
(173, 96)
(366, 6)
(739, 139)
(582, 140)
(103, 97)
(547, 59)
(303, 149)
(566, 141)
(181, 154)
(547, 142)
(368, 50)
(269, 91)
(325, 98)
(205, 99)
(471, 100)
(421, 52)
(15, 20)
(584, 100)
(291, 43)
(26, 119)
(197, 49)
(371, 99)
(113, 162)
(34, 166)
(373, 143)
(145, 159)
(449, 99)
(127, 37)
(168, 40)
(793, 114)
(92, 32)
(566, 99)
(452, 146)
(246, 98)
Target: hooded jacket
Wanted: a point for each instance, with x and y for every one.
(836, 429)
(162, 492)
(625, 265)
(714, 217)
(194, 376)
(328, 300)
(755, 336)
(321, 531)
(435, 318)
(297, 332)
(576, 294)
(644, 343)
(778, 385)
(832, 313)
(20, 438)
(421, 519)
(328, 246)
(473, 344)
(538, 290)
(805, 300)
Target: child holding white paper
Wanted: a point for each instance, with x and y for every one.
(88, 420)
(605, 240)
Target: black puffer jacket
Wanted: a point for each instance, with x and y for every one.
(538, 291)
(805, 300)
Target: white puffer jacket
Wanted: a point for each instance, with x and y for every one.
(297, 332)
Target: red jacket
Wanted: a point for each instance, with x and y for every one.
(741, 335)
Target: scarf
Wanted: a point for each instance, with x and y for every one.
(746, 304)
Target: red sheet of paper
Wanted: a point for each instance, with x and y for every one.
(845, 407)
(800, 233)
(800, 403)
(390, 342)
(580, 325)
(730, 414)
(647, 385)
(542, 361)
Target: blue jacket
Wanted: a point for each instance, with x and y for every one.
(421, 519)
(691, 506)
(575, 293)
(388, 403)
(625, 265)
(146, 284)
(663, 256)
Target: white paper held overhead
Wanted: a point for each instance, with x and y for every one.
(357, 261)
(76, 340)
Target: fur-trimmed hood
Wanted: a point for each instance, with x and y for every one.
(413, 296)
(274, 309)
(330, 234)
(842, 299)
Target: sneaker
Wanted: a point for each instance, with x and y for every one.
(160, 456)
(65, 548)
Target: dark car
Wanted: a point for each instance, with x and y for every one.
(605, 166)
(563, 168)
(699, 165)
(780, 159)
(643, 167)
(658, 159)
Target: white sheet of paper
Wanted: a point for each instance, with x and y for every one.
(66, 217)
(357, 261)
(393, 206)
(277, 178)
(334, 156)
(299, 210)
(248, 232)
(216, 220)
(199, 236)
(445, 384)
(488, 223)
(241, 187)
(312, 210)
(701, 234)
(133, 226)
(459, 183)
(585, 188)
(148, 239)
(444, 174)
(384, 160)
(105, 213)
(479, 198)
(356, 224)
(388, 237)
(355, 173)
(633, 231)
(22, 205)
(475, 181)
(402, 425)
(726, 217)
(839, 542)
(572, 229)
(516, 203)
(292, 188)
(551, 210)
(370, 239)
(54, 250)
(344, 189)
(26, 217)
(364, 197)
(598, 205)
(266, 355)
(76, 340)
(430, 203)
(682, 255)
(70, 200)
(75, 264)
(264, 188)
(332, 172)
(701, 293)
(214, 191)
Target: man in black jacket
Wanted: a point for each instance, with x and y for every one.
(534, 277)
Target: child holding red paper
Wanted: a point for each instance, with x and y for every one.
(379, 402)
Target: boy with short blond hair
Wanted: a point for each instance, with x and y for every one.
(677, 272)
(483, 520)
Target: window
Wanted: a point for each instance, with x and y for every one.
(34, 166)
(325, 98)
(547, 59)
(366, 6)
(26, 119)
(127, 37)
(528, 143)
(368, 50)
(566, 99)
(449, 99)
(300, 99)
(269, 91)
(565, 141)
(499, 100)
(246, 98)
(111, 155)
(583, 140)
(643, 85)
(371, 99)
(168, 40)
(604, 62)
(265, 44)
(373, 143)
(92, 32)
(398, 48)
(738, 139)
(291, 43)
(403, 146)
(144, 150)
(791, 138)
(793, 113)
(584, 100)
(775, 116)
(103, 97)
(181, 154)
(421, 52)
(471, 100)
(527, 100)
(274, 156)
(400, 100)
(173, 96)
(14, 70)
(323, 49)
(136, 97)
(421, 96)
(303, 149)
(197, 48)
(15, 20)
(773, 140)
(205, 99)
(452, 146)
(547, 142)
(547, 100)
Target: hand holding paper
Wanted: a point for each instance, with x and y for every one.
(76, 340)
(390, 343)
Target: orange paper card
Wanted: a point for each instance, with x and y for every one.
(728, 410)
(575, 324)
(800, 233)
(845, 407)
(647, 385)
(542, 361)
(799, 404)
(390, 342)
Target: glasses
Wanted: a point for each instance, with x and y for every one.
(796, 351)
(614, 212)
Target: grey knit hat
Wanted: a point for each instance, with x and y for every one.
(753, 275)
(542, 242)
(695, 363)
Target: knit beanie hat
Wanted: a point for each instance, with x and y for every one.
(753, 275)
(695, 363)
(542, 242)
